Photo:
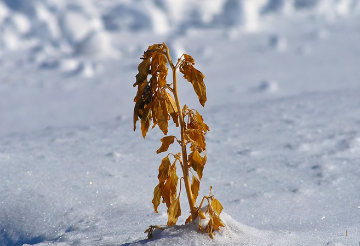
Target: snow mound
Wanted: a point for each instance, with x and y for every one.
(234, 233)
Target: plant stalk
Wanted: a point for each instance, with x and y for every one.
(185, 167)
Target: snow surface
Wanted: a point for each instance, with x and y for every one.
(283, 107)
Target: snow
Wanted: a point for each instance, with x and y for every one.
(283, 109)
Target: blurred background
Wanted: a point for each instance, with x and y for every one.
(52, 33)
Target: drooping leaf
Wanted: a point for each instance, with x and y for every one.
(213, 209)
(195, 186)
(196, 78)
(158, 67)
(172, 109)
(170, 187)
(197, 162)
(164, 169)
(162, 116)
(200, 121)
(217, 222)
(143, 69)
(170, 102)
(165, 143)
(216, 205)
(174, 212)
(154, 104)
(185, 110)
(157, 196)
(189, 59)
(145, 121)
(197, 138)
(142, 99)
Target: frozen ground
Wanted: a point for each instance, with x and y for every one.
(283, 108)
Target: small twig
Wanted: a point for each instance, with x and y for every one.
(151, 229)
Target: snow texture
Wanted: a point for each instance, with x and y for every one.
(283, 107)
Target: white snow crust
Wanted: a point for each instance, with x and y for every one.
(283, 109)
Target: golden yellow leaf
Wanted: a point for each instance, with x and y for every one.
(141, 91)
(155, 47)
(153, 105)
(174, 212)
(170, 102)
(185, 109)
(145, 121)
(172, 109)
(217, 222)
(158, 67)
(169, 191)
(197, 162)
(195, 186)
(165, 143)
(143, 69)
(216, 205)
(162, 116)
(200, 121)
(156, 199)
(196, 78)
(189, 59)
(164, 169)
(197, 137)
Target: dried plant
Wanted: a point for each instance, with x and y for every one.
(157, 102)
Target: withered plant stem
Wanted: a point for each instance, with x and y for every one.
(185, 167)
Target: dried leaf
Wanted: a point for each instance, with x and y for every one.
(217, 222)
(197, 162)
(200, 121)
(195, 186)
(189, 59)
(158, 67)
(143, 69)
(172, 109)
(197, 138)
(155, 47)
(170, 187)
(196, 78)
(185, 110)
(162, 76)
(145, 121)
(162, 116)
(157, 196)
(165, 143)
(216, 205)
(164, 169)
(174, 212)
